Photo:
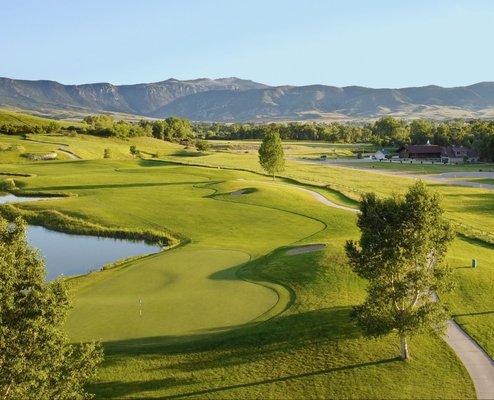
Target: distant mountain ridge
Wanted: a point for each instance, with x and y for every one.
(234, 99)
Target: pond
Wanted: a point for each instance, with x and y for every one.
(67, 254)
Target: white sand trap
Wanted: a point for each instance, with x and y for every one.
(238, 192)
(305, 249)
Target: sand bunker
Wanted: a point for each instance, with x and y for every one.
(305, 249)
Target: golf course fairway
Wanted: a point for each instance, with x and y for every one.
(230, 312)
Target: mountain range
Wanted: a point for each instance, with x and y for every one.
(234, 99)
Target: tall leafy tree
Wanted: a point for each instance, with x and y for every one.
(401, 253)
(271, 154)
(37, 361)
(421, 131)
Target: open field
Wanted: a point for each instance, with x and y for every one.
(415, 167)
(293, 148)
(80, 146)
(486, 181)
(230, 314)
(12, 117)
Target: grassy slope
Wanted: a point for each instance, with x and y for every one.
(83, 146)
(312, 351)
(472, 208)
(17, 118)
(469, 206)
(21, 146)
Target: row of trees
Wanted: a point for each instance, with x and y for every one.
(22, 129)
(171, 129)
(386, 131)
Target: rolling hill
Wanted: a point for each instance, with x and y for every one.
(234, 99)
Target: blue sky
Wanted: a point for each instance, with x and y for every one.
(372, 43)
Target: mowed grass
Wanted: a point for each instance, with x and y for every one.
(471, 209)
(417, 168)
(83, 146)
(200, 331)
(472, 301)
(312, 351)
(12, 148)
(12, 117)
(486, 181)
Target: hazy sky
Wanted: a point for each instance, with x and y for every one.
(373, 43)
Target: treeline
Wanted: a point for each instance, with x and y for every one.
(171, 129)
(386, 131)
(24, 129)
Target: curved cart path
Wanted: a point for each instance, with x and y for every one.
(478, 363)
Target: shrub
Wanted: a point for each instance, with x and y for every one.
(7, 184)
(202, 145)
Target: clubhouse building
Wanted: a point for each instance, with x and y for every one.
(444, 154)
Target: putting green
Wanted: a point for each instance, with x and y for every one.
(179, 292)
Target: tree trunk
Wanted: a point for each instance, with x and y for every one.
(273, 177)
(405, 355)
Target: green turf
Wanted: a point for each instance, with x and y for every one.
(470, 209)
(81, 146)
(486, 181)
(12, 117)
(194, 295)
(417, 168)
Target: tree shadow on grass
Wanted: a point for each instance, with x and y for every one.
(247, 344)
(252, 340)
(473, 314)
(155, 163)
(476, 242)
(119, 389)
(282, 378)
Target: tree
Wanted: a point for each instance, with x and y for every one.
(389, 130)
(134, 150)
(271, 154)
(37, 360)
(202, 145)
(178, 128)
(401, 253)
(421, 131)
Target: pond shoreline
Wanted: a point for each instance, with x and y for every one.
(73, 246)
